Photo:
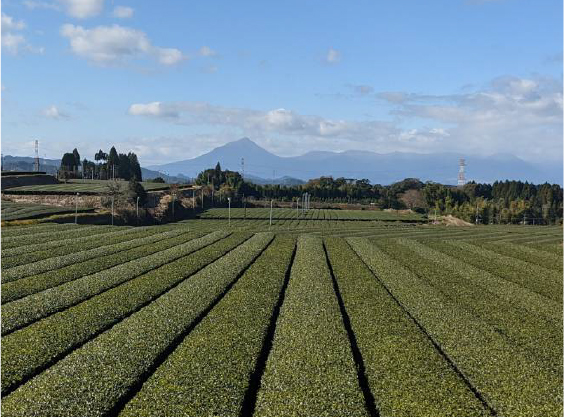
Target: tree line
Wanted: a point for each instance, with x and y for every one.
(500, 202)
(112, 165)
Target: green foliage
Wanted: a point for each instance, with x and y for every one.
(61, 332)
(400, 361)
(58, 270)
(92, 379)
(512, 382)
(209, 372)
(310, 369)
(116, 269)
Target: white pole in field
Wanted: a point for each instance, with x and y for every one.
(229, 212)
(270, 213)
(76, 210)
(137, 208)
(112, 210)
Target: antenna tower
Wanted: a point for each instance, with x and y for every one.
(461, 176)
(36, 162)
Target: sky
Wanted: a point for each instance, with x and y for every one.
(171, 80)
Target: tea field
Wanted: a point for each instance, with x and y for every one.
(314, 316)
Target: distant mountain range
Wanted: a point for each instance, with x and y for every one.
(378, 168)
(263, 167)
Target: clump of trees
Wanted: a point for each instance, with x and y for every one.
(500, 202)
(112, 165)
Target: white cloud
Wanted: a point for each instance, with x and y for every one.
(32, 5)
(156, 109)
(207, 51)
(82, 9)
(122, 12)
(169, 56)
(512, 115)
(10, 24)
(52, 112)
(110, 45)
(333, 56)
(13, 41)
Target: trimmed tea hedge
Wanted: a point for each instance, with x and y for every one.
(18, 241)
(35, 346)
(12, 291)
(407, 375)
(514, 385)
(209, 372)
(91, 380)
(310, 370)
(100, 240)
(58, 262)
(29, 309)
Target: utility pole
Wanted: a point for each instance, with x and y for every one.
(36, 161)
(229, 210)
(270, 224)
(76, 210)
(243, 168)
(476, 212)
(112, 210)
(137, 209)
(202, 197)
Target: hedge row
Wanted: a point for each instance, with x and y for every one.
(57, 262)
(18, 241)
(36, 228)
(527, 253)
(12, 291)
(31, 348)
(406, 374)
(100, 240)
(544, 281)
(56, 243)
(511, 383)
(529, 321)
(91, 380)
(209, 372)
(29, 309)
(510, 295)
(310, 370)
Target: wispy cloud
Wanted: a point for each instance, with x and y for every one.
(333, 56)
(115, 45)
(13, 40)
(122, 12)
(510, 115)
(53, 112)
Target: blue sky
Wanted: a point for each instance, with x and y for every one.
(170, 80)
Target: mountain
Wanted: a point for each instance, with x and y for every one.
(378, 168)
(285, 180)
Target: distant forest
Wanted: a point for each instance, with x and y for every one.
(500, 202)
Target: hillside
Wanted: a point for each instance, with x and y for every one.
(378, 168)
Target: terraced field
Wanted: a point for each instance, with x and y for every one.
(312, 214)
(91, 187)
(22, 211)
(314, 318)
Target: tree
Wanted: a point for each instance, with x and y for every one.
(134, 190)
(68, 162)
(113, 160)
(135, 167)
(76, 158)
(413, 199)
